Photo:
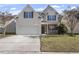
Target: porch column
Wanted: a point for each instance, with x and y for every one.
(47, 28)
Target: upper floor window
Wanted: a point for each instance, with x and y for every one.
(51, 17)
(28, 14)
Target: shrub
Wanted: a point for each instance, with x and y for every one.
(62, 29)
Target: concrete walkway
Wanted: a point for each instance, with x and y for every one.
(20, 44)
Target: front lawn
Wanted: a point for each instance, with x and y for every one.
(60, 43)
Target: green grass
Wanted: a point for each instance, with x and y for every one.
(60, 43)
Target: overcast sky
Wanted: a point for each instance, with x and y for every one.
(16, 8)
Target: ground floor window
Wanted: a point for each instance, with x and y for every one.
(48, 29)
(52, 29)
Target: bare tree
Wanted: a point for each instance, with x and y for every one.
(71, 17)
(5, 17)
(60, 19)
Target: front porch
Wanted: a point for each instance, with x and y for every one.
(48, 29)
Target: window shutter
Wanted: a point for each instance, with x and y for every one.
(24, 15)
(32, 14)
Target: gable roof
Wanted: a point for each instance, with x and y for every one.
(50, 8)
(28, 7)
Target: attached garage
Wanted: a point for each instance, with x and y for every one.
(31, 30)
(28, 22)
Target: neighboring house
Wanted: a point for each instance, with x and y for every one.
(11, 28)
(30, 22)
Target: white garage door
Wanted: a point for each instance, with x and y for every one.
(31, 30)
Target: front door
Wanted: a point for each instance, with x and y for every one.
(44, 29)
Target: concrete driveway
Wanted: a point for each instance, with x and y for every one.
(20, 44)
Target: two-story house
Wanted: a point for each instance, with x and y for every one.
(30, 22)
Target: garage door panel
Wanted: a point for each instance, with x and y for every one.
(30, 30)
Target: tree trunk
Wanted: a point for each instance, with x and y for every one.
(72, 34)
(4, 33)
(72, 27)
